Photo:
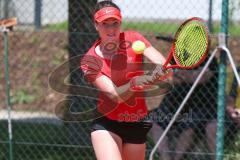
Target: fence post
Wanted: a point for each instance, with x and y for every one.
(222, 82)
(210, 16)
(4, 8)
(8, 102)
(37, 14)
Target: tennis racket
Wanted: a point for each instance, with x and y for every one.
(189, 47)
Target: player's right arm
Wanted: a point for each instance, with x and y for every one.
(117, 94)
(120, 93)
(91, 68)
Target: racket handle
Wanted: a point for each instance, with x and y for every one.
(166, 76)
(169, 58)
(165, 73)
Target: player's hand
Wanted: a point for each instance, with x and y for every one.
(146, 80)
(141, 81)
(149, 78)
(159, 74)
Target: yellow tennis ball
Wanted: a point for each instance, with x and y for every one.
(138, 47)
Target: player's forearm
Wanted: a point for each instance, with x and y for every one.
(124, 92)
(154, 56)
(121, 93)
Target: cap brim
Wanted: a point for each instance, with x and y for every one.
(102, 18)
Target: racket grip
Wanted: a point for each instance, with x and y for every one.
(166, 76)
(165, 72)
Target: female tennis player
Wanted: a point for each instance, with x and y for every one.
(120, 133)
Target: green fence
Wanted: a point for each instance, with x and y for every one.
(50, 32)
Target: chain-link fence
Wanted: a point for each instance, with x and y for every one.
(50, 33)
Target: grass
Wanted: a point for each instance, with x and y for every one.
(63, 26)
(22, 97)
(234, 30)
(169, 28)
(143, 27)
(153, 27)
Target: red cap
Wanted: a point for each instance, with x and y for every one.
(107, 12)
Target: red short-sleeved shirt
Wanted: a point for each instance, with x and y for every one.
(123, 62)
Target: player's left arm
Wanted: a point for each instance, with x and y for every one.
(151, 53)
(154, 55)
(157, 58)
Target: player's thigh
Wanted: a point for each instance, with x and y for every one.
(107, 145)
(134, 151)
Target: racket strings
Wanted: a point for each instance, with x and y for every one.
(191, 43)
